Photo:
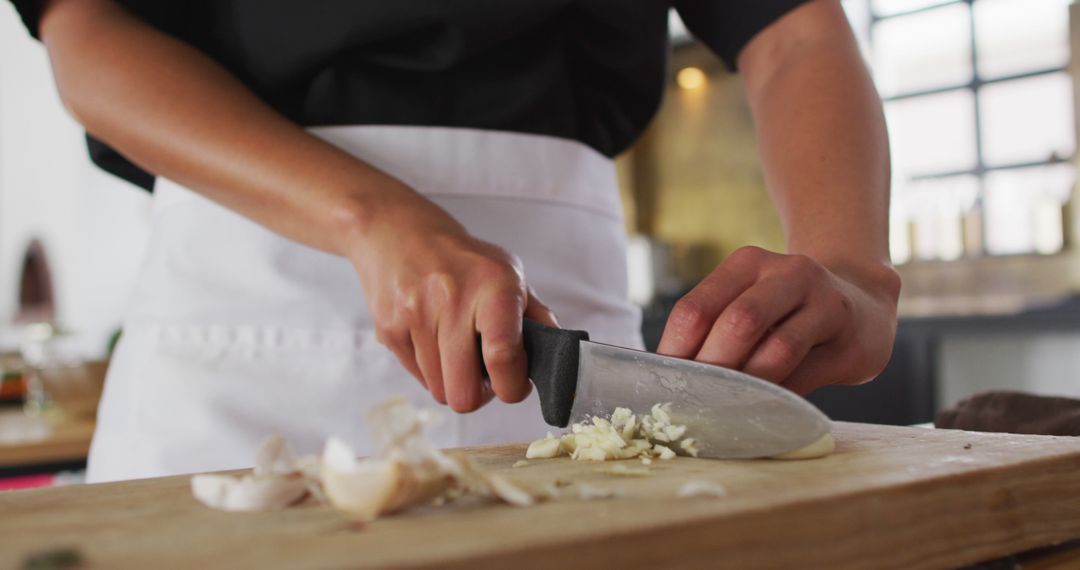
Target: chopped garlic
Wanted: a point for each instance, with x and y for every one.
(519, 463)
(646, 461)
(624, 436)
(624, 422)
(689, 445)
(663, 451)
(698, 488)
(543, 448)
(654, 426)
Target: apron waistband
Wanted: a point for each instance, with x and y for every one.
(441, 161)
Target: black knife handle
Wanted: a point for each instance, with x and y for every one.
(553, 366)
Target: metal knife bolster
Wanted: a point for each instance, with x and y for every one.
(729, 413)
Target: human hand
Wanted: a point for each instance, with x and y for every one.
(788, 319)
(432, 289)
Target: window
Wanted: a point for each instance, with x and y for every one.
(980, 112)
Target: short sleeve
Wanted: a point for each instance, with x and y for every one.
(726, 26)
(30, 12)
(111, 161)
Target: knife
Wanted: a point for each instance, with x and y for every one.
(731, 414)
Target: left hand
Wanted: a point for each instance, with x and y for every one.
(789, 319)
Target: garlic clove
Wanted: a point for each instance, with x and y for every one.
(366, 490)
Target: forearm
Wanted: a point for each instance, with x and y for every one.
(822, 137)
(179, 114)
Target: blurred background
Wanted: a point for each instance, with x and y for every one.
(980, 103)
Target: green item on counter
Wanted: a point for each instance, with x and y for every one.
(113, 341)
(54, 559)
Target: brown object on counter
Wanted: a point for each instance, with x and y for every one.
(69, 441)
(1013, 412)
(74, 390)
(889, 497)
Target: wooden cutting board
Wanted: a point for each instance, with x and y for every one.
(889, 497)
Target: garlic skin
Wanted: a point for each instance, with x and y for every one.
(405, 470)
(365, 489)
(248, 493)
(275, 482)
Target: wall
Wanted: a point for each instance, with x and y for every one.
(702, 169)
(707, 190)
(93, 226)
(1040, 363)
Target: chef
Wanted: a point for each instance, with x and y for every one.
(348, 194)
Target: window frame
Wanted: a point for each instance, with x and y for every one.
(974, 86)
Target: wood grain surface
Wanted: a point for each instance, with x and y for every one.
(889, 497)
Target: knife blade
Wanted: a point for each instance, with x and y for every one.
(731, 414)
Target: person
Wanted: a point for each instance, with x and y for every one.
(348, 193)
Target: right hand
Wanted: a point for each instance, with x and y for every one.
(432, 289)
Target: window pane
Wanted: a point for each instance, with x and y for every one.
(922, 51)
(899, 238)
(858, 15)
(1027, 119)
(933, 211)
(932, 134)
(889, 7)
(1014, 36)
(1023, 209)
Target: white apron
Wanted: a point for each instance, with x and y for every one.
(235, 333)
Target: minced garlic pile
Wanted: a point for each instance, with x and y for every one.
(624, 436)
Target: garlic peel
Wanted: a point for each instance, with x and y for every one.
(698, 488)
(405, 470)
(248, 493)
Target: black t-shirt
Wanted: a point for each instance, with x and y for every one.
(587, 70)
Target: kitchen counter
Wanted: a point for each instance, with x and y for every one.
(42, 443)
(889, 497)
